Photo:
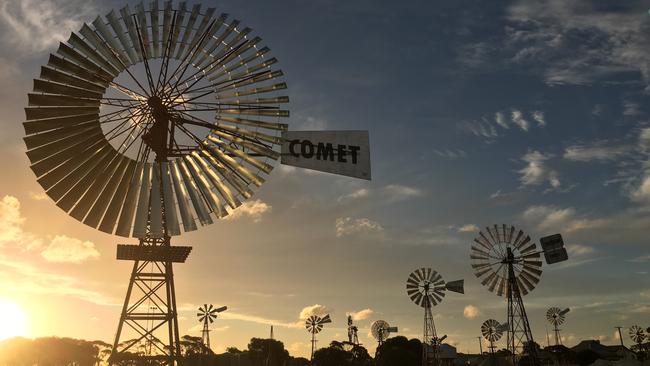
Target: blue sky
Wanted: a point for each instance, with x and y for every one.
(509, 112)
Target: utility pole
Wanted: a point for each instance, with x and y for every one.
(620, 336)
(480, 344)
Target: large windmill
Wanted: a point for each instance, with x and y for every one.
(207, 315)
(556, 317)
(426, 288)
(638, 336)
(148, 122)
(508, 263)
(314, 325)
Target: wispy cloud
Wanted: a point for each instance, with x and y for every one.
(361, 314)
(34, 26)
(388, 194)
(346, 226)
(538, 116)
(63, 249)
(500, 119)
(547, 218)
(468, 228)
(517, 117)
(597, 152)
(536, 171)
(251, 209)
(450, 154)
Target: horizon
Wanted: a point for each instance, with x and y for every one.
(509, 113)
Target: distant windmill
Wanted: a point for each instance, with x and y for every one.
(314, 324)
(353, 338)
(508, 263)
(426, 288)
(207, 314)
(492, 331)
(637, 335)
(555, 316)
(381, 330)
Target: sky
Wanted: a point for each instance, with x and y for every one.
(518, 112)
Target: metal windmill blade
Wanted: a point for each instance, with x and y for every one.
(198, 126)
(325, 319)
(637, 334)
(492, 330)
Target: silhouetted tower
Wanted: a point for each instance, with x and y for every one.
(620, 336)
(381, 330)
(555, 316)
(352, 332)
(271, 336)
(508, 263)
(426, 288)
(314, 324)
(207, 315)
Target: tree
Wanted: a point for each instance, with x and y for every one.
(331, 356)
(267, 352)
(399, 351)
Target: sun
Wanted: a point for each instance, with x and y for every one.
(13, 322)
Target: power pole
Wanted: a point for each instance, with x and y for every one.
(620, 336)
(480, 344)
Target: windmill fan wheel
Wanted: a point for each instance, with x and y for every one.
(491, 330)
(380, 330)
(495, 249)
(637, 334)
(146, 122)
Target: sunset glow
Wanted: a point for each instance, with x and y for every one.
(12, 319)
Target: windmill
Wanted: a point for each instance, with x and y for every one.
(149, 122)
(426, 288)
(507, 263)
(314, 324)
(381, 330)
(637, 335)
(207, 315)
(492, 331)
(556, 317)
(353, 338)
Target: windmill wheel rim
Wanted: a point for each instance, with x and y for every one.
(98, 184)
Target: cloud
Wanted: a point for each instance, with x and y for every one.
(316, 309)
(390, 193)
(63, 249)
(578, 42)
(451, 154)
(398, 192)
(359, 193)
(33, 26)
(252, 209)
(38, 196)
(536, 172)
(16, 276)
(579, 250)
(500, 119)
(361, 314)
(471, 312)
(518, 119)
(482, 129)
(468, 228)
(234, 315)
(551, 218)
(641, 259)
(598, 152)
(346, 226)
(10, 221)
(538, 116)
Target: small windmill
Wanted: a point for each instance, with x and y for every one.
(314, 324)
(207, 314)
(426, 288)
(555, 316)
(381, 330)
(492, 330)
(353, 338)
(637, 334)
